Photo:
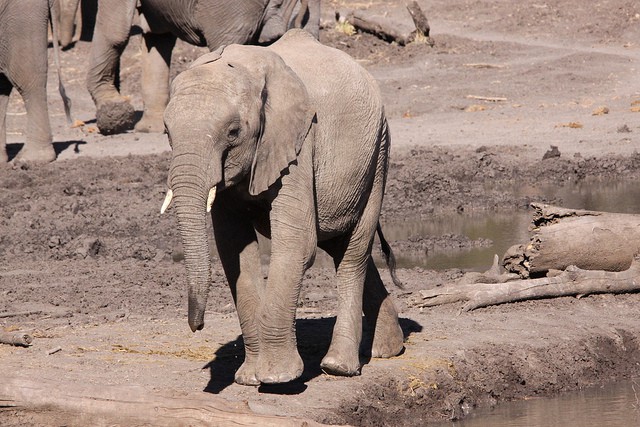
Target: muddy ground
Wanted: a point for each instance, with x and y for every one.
(84, 248)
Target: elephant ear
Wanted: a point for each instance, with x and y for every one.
(208, 57)
(287, 117)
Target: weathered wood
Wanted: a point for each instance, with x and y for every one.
(19, 313)
(589, 240)
(86, 404)
(571, 282)
(380, 26)
(393, 26)
(419, 19)
(16, 338)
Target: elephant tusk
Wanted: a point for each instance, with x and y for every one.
(167, 201)
(211, 198)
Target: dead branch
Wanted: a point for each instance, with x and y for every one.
(589, 240)
(571, 282)
(393, 29)
(419, 19)
(16, 338)
(487, 98)
(19, 313)
(87, 404)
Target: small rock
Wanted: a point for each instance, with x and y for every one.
(553, 152)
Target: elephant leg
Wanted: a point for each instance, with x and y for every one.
(350, 255)
(68, 21)
(31, 82)
(114, 113)
(293, 249)
(238, 250)
(381, 316)
(156, 59)
(5, 91)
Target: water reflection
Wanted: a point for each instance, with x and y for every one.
(507, 228)
(614, 405)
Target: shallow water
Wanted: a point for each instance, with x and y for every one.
(614, 405)
(506, 228)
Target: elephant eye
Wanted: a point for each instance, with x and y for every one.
(233, 133)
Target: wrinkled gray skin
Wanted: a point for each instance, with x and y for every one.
(70, 21)
(294, 139)
(77, 18)
(210, 23)
(24, 65)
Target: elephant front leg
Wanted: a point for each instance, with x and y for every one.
(156, 59)
(238, 250)
(293, 235)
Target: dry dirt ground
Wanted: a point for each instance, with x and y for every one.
(84, 248)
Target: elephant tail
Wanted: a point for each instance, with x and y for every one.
(389, 257)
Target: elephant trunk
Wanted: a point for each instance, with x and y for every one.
(190, 190)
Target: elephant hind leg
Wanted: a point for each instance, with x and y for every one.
(32, 86)
(5, 91)
(384, 335)
(156, 60)
(343, 356)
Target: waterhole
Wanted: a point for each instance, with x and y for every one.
(613, 405)
(470, 240)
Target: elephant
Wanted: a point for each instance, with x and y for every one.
(77, 19)
(24, 65)
(210, 23)
(289, 141)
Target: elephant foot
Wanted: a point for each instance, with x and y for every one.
(388, 338)
(280, 369)
(335, 363)
(388, 341)
(115, 117)
(35, 155)
(246, 374)
(150, 123)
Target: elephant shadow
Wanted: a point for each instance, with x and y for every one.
(313, 336)
(59, 146)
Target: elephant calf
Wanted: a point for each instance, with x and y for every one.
(24, 65)
(289, 141)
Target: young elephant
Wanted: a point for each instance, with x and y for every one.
(294, 141)
(24, 65)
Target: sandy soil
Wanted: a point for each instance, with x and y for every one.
(84, 248)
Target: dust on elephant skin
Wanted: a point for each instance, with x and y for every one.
(269, 145)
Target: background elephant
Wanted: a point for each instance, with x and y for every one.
(294, 140)
(24, 65)
(211, 23)
(77, 19)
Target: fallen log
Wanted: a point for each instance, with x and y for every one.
(16, 338)
(391, 27)
(571, 282)
(562, 237)
(85, 404)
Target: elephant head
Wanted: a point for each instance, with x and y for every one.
(238, 115)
